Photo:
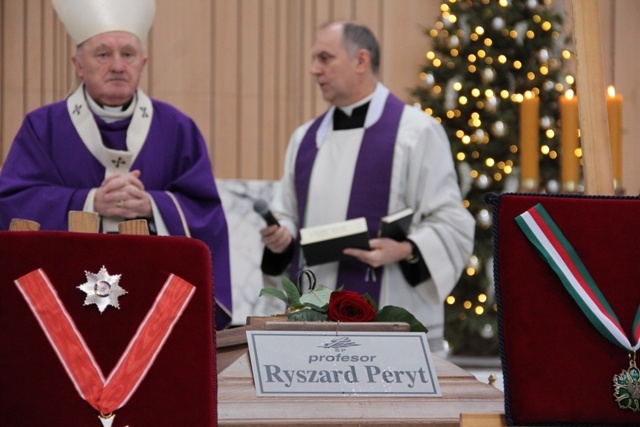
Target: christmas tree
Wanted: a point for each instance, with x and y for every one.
(485, 55)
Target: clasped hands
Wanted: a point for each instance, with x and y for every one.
(123, 195)
(383, 250)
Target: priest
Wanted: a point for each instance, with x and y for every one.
(367, 156)
(108, 148)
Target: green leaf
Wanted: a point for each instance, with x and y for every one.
(274, 293)
(308, 315)
(322, 309)
(391, 313)
(373, 302)
(292, 293)
(318, 297)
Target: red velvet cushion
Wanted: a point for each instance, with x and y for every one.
(180, 387)
(558, 369)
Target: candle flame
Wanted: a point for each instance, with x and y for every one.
(569, 94)
(611, 91)
(528, 94)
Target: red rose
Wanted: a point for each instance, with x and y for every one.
(347, 306)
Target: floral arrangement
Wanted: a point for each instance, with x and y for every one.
(320, 303)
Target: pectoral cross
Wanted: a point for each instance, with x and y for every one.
(118, 162)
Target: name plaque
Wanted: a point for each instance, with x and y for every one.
(330, 363)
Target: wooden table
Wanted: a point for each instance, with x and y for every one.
(238, 404)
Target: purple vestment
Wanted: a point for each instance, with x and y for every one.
(370, 189)
(49, 171)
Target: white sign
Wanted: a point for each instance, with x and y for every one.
(304, 363)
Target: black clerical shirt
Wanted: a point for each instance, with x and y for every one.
(356, 120)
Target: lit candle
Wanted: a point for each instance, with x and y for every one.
(614, 110)
(570, 166)
(529, 142)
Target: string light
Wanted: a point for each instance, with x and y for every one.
(474, 85)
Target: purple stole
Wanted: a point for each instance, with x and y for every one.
(369, 192)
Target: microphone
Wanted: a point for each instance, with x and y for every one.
(262, 208)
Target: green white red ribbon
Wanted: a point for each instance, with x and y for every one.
(541, 230)
(104, 395)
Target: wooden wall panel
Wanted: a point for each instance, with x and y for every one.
(250, 68)
(312, 14)
(34, 63)
(267, 58)
(226, 51)
(179, 67)
(626, 59)
(34, 38)
(405, 43)
(13, 73)
(240, 68)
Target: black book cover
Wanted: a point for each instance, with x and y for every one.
(325, 243)
(396, 225)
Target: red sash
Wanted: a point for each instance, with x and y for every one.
(108, 395)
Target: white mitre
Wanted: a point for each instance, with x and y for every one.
(84, 19)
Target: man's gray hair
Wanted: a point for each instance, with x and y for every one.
(355, 37)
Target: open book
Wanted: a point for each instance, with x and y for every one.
(396, 225)
(325, 243)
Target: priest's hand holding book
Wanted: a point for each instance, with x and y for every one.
(342, 240)
(383, 251)
(392, 244)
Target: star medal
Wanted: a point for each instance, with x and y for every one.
(626, 386)
(102, 289)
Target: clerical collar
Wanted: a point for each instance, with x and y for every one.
(341, 121)
(352, 116)
(374, 113)
(348, 110)
(111, 114)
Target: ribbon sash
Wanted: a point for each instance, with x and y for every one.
(111, 394)
(544, 234)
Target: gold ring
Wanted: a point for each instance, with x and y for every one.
(120, 204)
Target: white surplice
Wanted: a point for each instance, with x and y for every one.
(423, 178)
